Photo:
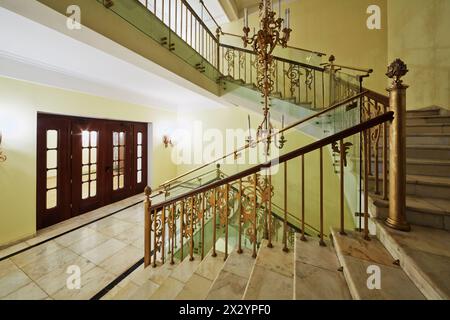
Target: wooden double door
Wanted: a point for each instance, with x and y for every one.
(84, 164)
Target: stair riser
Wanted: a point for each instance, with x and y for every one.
(428, 140)
(412, 188)
(419, 120)
(432, 154)
(423, 113)
(419, 169)
(425, 219)
(427, 129)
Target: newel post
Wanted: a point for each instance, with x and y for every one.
(397, 148)
(147, 237)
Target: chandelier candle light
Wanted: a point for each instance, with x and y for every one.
(273, 31)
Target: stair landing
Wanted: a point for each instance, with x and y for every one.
(360, 257)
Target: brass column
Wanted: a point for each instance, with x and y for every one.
(397, 148)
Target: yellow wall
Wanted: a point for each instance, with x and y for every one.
(419, 34)
(236, 118)
(337, 27)
(19, 104)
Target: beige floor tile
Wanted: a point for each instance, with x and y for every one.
(116, 228)
(57, 279)
(46, 264)
(29, 292)
(315, 283)
(131, 235)
(89, 243)
(103, 223)
(195, 289)
(13, 281)
(74, 236)
(122, 260)
(139, 243)
(7, 266)
(104, 251)
(91, 283)
(36, 253)
(266, 284)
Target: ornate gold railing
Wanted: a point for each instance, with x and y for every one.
(253, 184)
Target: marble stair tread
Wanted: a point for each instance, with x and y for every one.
(420, 204)
(317, 275)
(232, 280)
(272, 275)
(425, 180)
(424, 255)
(356, 256)
(177, 279)
(198, 285)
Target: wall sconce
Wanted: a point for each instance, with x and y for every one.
(167, 141)
(2, 156)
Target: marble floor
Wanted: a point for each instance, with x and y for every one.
(101, 250)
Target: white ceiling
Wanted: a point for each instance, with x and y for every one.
(34, 52)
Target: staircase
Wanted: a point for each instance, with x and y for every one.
(428, 170)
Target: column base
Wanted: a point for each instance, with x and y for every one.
(402, 226)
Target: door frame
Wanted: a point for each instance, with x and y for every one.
(134, 187)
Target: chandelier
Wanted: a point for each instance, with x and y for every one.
(273, 32)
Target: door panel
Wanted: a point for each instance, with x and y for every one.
(120, 138)
(53, 170)
(87, 165)
(140, 157)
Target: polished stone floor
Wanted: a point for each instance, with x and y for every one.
(102, 250)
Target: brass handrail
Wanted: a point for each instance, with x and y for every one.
(247, 145)
(305, 65)
(387, 116)
(320, 54)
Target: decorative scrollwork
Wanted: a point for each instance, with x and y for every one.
(309, 78)
(336, 149)
(293, 74)
(156, 228)
(229, 57)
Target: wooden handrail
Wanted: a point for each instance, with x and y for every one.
(388, 116)
(246, 146)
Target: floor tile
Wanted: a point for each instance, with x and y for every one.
(29, 292)
(104, 251)
(36, 253)
(13, 281)
(122, 260)
(89, 243)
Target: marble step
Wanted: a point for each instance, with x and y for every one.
(141, 283)
(232, 280)
(435, 119)
(432, 152)
(425, 186)
(272, 274)
(422, 211)
(425, 167)
(441, 139)
(427, 128)
(424, 255)
(429, 111)
(359, 258)
(177, 279)
(317, 275)
(198, 285)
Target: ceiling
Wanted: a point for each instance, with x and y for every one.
(34, 52)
